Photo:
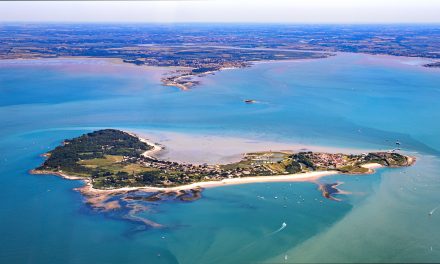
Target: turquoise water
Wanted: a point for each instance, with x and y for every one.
(353, 101)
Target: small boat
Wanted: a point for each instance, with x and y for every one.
(283, 225)
(250, 101)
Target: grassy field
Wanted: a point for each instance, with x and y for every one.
(99, 162)
(275, 162)
(114, 165)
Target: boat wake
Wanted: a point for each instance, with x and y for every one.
(284, 225)
(433, 211)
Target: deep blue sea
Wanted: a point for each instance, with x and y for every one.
(349, 101)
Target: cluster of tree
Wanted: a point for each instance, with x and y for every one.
(386, 158)
(150, 178)
(293, 167)
(93, 145)
(204, 69)
(301, 157)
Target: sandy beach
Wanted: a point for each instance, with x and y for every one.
(308, 176)
(297, 177)
(151, 153)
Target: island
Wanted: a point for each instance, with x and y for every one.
(249, 101)
(432, 65)
(111, 159)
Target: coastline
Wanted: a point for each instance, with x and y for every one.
(296, 177)
(59, 174)
(149, 153)
(185, 80)
(371, 167)
(311, 176)
(114, 198)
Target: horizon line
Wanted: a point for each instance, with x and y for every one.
(219, 23)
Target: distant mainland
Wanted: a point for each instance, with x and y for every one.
(198, 50)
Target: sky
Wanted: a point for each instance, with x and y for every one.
(221, 11)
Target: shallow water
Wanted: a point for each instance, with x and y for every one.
(347, 101)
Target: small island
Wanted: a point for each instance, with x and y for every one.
(112, 159)
(432, 65)
(119, 170)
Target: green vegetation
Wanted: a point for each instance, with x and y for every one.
(352, 164)
(353, 169)
(95, 145)
(98, 154)
(304, 159)
(263, 163)
(387, 159)
(112, 159)
(278, 163)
